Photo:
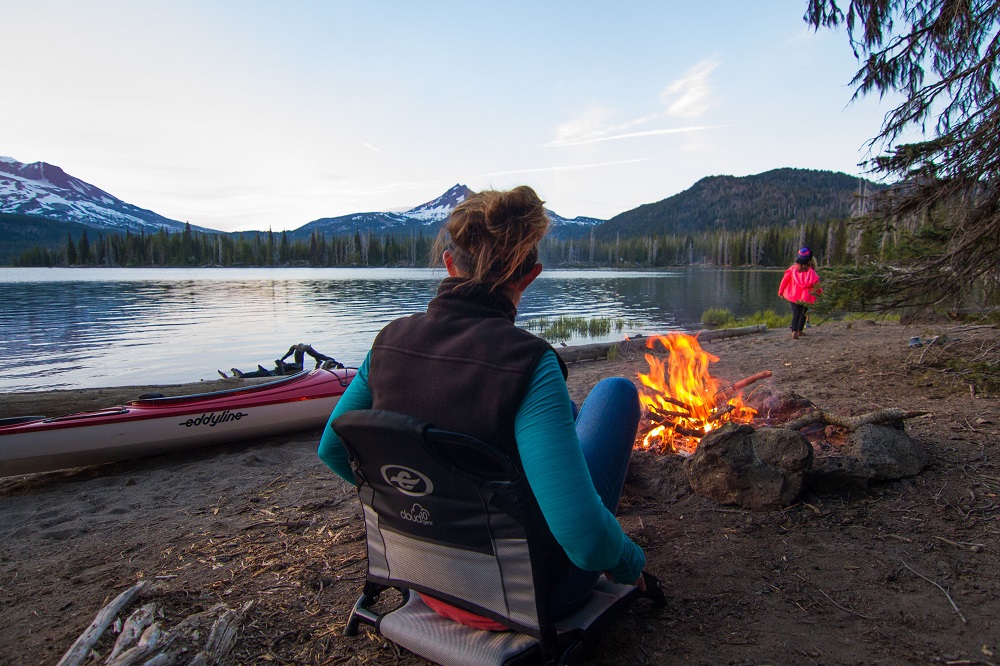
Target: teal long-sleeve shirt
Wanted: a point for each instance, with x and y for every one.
(553, 464)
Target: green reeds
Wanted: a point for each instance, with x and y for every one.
(723, 318)
(563, 328)
(871, 316)
(716, 317)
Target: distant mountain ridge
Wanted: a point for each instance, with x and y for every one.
(47, 191)
(781, 197)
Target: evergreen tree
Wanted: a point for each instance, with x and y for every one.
(70, 250)
(942, 56)
(84, 248)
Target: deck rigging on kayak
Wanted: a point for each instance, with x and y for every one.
(281, 367)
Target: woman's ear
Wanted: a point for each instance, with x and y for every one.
(449, 264)
(523, 283)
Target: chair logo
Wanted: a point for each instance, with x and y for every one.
(407, 481)
(417, 514)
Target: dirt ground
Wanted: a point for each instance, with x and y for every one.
(901, 573)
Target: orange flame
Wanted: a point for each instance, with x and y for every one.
(683, 397)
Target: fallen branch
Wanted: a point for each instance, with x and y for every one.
(850, 422)
(722, 333)
(601, 350)
(846, 610)
(950, 600)
(79, 652)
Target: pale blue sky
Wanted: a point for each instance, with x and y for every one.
(249, 114)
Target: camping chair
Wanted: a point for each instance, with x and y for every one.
(450, 516)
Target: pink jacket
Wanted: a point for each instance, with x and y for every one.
(800, 286)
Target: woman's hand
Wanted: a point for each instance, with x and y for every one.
(640, 582)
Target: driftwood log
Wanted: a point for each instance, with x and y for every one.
(599, 350)
(142, 640)
(79, 652)
(133, 629)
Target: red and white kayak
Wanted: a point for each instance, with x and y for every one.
(153, 426)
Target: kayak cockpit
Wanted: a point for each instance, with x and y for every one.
(18, 420)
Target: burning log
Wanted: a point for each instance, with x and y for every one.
(682, 380)
(850, 422)
(678, 403)
(719, 413)
(728, 391)
(688, 432)
(664, 415)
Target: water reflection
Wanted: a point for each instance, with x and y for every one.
(71, 328)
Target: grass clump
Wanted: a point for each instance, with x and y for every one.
(563, 328)
(717, 317)
(723, 318)
(871, 316)
(983, 375)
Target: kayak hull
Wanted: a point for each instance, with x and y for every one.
(156, 426)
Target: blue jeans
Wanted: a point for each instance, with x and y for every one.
(606, 426)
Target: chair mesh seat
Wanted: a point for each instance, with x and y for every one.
(451, 516)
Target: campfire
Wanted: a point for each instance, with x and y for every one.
(682, 401)
(790, 443)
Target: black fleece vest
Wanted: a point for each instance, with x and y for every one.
(463, 365)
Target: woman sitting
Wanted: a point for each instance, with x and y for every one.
(507, 387)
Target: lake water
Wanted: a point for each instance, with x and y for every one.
(64, 328)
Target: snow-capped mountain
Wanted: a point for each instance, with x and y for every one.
(428, 218)
(425, 217)
(47, 191)
(564, 227)
(439, 209)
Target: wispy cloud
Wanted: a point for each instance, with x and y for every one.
(569, 167)
(372, 148)
(689, 96)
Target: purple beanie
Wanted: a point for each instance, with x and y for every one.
(805, 254)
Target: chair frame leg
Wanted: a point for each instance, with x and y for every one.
(362, 611)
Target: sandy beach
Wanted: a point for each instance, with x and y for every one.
(901, 572)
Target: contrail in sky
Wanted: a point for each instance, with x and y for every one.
(630, 135)
(571, 167)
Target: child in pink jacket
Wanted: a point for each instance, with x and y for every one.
(800, 287)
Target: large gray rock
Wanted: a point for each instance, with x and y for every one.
(873, 452)
(756, 469)
(887, 451)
